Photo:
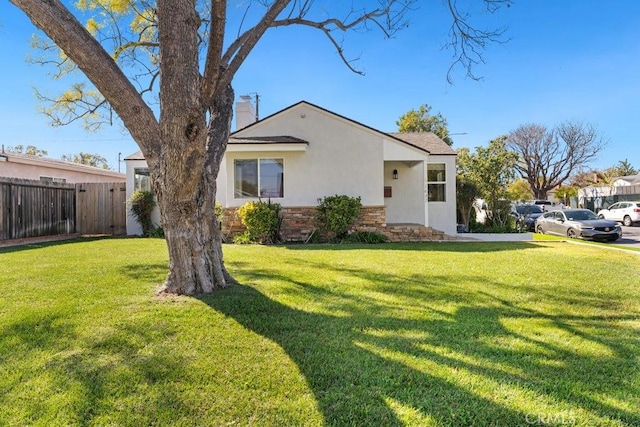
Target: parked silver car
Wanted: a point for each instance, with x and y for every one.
(627, 213)
(578, 224)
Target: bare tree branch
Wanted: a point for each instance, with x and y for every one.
(547, 158)
(468, 42)
(237, 53)
(214, 52)
(393, 21)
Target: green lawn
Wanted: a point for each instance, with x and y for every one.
(453, 334)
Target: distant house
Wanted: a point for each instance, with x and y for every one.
(625, 181)
(13, 165)
(601, 195)
(406, 181)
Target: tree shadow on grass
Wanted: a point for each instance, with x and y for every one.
(352, 384)
(367, 367)
(61, 377)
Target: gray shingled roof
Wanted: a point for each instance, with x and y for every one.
(631, 179)
(426, 141)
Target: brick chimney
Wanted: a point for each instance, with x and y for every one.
(245, 113)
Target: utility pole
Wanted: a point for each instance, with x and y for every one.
(256, 97)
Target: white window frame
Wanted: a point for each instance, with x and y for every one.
(440, 180)
(258, 160)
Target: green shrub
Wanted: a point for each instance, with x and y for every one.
(157, 232)
(365, 237)
(218, 211)
(261, 220)
(336, 214)
(141, 204)
(499, 229)
(243, 239)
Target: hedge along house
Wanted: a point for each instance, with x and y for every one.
(303, 153)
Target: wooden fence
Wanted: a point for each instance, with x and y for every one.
(101, 208)
(34, 208)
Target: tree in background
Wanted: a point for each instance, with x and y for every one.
(622, 168)
(491, 170)
(564, 193)
(422, 121)
(466, 194)
(520, 191)
(29, 150)
(583, 179)
(120, 53)
(94, 160)
(547, 158)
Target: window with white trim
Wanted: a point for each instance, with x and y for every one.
(436, 182)
(141, 179)
(262, 178)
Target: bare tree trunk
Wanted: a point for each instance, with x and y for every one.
(186, 190)
(194, 128)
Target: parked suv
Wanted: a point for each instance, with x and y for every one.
(627, 213)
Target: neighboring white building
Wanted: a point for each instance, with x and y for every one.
(22, 166)
(304, 152)
(598, 196)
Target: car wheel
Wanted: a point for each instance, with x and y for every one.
(539, 230)
(571, 233)
(601, 216)
(627, 221)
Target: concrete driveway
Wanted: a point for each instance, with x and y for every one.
(630, 236)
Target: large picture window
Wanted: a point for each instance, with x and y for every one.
(141, 179)
(436, 182)
(262, 178)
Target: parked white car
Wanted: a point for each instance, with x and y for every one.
(627, 213)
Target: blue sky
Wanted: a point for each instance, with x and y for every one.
(565, 60)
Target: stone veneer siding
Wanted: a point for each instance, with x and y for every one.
(298, 224)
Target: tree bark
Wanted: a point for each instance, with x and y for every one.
(190, 155)
(191, 228)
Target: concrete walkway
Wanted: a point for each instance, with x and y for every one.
(494, 237)
(35, 240)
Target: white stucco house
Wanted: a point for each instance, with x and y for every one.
(304, 152)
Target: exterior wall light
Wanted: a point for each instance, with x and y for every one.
(395, 174)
